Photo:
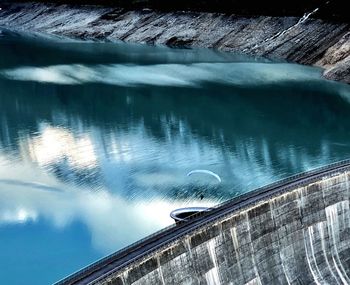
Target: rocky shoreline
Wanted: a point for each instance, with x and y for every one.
(302, 40)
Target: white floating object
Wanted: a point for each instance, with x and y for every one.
(204, 171)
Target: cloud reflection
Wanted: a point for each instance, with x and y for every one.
(55, 144)
(17, 216)
(181, 75)
(112, 221)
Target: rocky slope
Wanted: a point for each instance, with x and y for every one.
(302, 40)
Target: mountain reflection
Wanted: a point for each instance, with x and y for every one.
(88, 166)
(143, 143)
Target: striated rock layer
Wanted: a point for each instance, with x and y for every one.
(302, 40)
(300, 237)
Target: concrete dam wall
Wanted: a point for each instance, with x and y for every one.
(299, 236)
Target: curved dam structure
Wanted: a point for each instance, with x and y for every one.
(295, 231)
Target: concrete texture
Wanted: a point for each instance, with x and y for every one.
(300, 237)
(302, 40)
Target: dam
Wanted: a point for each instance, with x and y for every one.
(97, 141)
(295, 231)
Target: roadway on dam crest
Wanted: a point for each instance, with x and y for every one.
(110, 265)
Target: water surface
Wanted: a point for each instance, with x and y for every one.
(96, 141)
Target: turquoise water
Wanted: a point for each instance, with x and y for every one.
(96, 141)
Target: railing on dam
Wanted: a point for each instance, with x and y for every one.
(143, 248)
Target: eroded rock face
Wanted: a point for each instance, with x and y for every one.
(340, 71)
(337, 60)
(337, 52)
(301, 40)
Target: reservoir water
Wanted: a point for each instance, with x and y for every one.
(96, 140)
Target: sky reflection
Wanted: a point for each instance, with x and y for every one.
(95, 145)
(112, 221)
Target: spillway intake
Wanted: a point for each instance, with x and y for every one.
(296, 231)
(185, 214)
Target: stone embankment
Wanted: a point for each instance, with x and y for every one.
(303, 40)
